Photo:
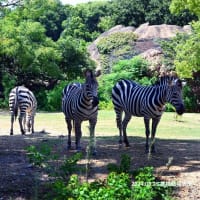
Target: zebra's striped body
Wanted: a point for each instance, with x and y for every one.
(144, 101)
(22, 99)
(79, 103)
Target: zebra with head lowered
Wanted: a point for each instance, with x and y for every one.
(145, 101)
(80, 103)
(22, 99)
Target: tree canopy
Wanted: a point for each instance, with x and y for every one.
(44, 42)
(187, 60)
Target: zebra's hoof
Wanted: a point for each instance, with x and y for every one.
(153, 151)
(69, 147)
(146, 151)
(94, 153)
(78, 149)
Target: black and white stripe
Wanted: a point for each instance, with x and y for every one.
(22, 99)
(80, 103)
(145, 101)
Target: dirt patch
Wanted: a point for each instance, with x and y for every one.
(20, 180)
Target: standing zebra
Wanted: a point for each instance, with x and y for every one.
(145, 101)
(79, 103)
(23, 99)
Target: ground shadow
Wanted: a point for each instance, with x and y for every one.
(19, 178)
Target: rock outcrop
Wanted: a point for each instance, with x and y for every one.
(146, 44)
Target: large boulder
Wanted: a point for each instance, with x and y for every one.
(146, 44)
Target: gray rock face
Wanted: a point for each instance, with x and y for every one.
(146, 44)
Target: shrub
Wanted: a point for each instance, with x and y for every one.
(8, 83)
(121, 182)
(114, 41)
(134, 69)
(115, 47)
(54, 97)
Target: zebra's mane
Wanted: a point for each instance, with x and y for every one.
(164, 80)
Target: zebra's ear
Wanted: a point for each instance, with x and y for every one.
(98, 73)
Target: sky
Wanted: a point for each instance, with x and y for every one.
(74, 2)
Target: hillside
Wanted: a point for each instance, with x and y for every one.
(145, 45)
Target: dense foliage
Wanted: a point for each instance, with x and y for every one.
(121, 183)
(133, 69)
(115, 47)
(44, 43)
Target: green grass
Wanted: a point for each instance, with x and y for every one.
(188, 126)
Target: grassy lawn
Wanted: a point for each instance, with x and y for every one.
(188, 126)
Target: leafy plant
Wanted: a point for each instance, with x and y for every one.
(39, 156)
(124, 165)
(145, 186)
(69, 165)
(134, 69)
(115, 47)
(120, 183)
(115, 40)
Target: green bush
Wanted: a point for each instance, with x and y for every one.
(121, 182)
(124, 165)
(8, 83)
(137, 185)
(189, 99)
(54, 97)
(115, 47)
(39, 156)
(143, 187)
(134, 69)
(114, 41)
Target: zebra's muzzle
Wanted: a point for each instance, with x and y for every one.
(95, 101)
(181, 109)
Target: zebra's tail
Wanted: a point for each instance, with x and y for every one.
(16, 104)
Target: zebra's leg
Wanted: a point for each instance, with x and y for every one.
(147, 132)
(125, 122)
(155, 122)
(12, 121)
(32, 124)
(24, 122)
(69, 127)
(119, 123)
(92, 143)
(21, 117)
(78, 135)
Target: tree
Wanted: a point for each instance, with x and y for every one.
(105, 23)
(187, 60)
(32, 55)
(74, 57)
(50, 13)
(180, 5)
(29, 56)
(75, 27)
(158, 12)
(128, 12)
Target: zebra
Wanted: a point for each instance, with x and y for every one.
(22, 99)
(80, 103)
(145, 101)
